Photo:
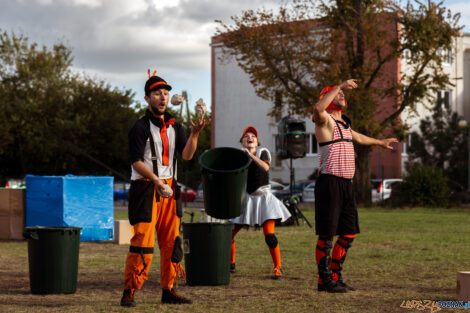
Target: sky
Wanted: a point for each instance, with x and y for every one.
(119, 40)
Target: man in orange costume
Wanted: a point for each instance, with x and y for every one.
(154, 141)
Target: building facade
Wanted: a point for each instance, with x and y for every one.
(235, 105)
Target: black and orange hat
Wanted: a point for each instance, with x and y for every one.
(250, 129)
(155, 82)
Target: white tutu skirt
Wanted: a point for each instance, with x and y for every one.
(261, 206)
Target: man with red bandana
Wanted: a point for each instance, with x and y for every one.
(154, 141)
(335, 205)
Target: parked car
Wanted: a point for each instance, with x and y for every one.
(187, 194)
(121, 190)
(383, 188)
(276, 186)
(14, 183)
(200, 194)
(308, 194)
(297, 190)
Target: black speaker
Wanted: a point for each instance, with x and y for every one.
(291, 141)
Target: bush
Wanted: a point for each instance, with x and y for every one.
(425, 186)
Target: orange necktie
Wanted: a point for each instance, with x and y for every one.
(163, 135)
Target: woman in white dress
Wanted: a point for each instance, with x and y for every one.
(261, 207)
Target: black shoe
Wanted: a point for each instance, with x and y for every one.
(344, 285)
(128, 298)
(334, 288)
(232, 268)
(170, 296)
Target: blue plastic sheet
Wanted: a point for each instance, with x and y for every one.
(74, 201)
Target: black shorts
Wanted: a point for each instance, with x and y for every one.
(335, 206)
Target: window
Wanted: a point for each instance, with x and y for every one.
(446, 56)
(312, 146)
(406, 54)
(405, 145)
(277, 159)
(278, 106)
(443, 98)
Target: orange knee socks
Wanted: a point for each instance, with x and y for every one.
(343, 243)
(271, 241)
(235, 231)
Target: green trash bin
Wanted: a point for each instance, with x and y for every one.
(224, 174)
(206, 249)
(53, 258)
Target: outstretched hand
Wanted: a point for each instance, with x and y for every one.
(349, 84)
(201, 123)
(386, 143)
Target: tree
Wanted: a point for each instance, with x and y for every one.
(290, 55)
(423, 185)
(441, 143)
(97, 122)
(48, 113)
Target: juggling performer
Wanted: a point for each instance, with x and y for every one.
(261, 207)
(335, 205)
(154, 140)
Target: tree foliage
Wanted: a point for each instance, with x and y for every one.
(291, 54)
(440, 142)
(424, 186)
(52, 118)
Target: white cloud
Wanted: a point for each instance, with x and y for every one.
(119, 39)
(162, 4)
(88, 3)
(44, 2)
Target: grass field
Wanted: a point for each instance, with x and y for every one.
(411, 254)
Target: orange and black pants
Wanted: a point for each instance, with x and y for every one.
(165, 223)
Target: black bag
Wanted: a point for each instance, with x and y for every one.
(141, 201)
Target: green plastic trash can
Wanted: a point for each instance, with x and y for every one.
(224, 174)
(53, 258)
(206, 249)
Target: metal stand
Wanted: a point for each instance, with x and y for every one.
(293, 200)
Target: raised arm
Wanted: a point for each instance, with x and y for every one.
(191, 144)
(319, 110)
(369, 141)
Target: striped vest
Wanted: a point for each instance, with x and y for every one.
(337, 155)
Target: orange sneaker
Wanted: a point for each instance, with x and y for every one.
(277, 273)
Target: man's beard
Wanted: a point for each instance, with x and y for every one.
(156, 110)
(339, 105)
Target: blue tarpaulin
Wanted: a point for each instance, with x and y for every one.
(73, 201)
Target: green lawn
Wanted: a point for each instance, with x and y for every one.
(411, 254)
